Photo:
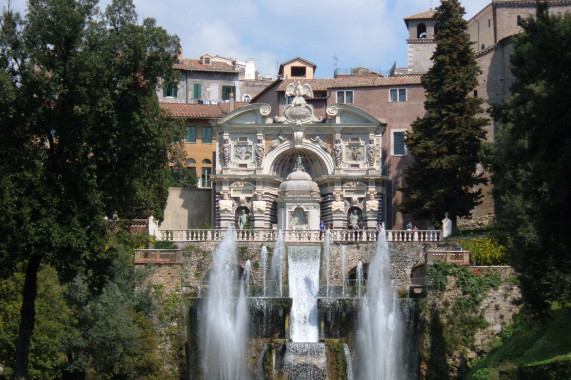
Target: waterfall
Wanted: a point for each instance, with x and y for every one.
(276, 266)
(303, 272)
(359, 278)
(223, 325)
(263, 263)
(326, 255)
(379, 337)
(247, 269)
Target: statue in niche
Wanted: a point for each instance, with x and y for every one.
(337, 205)
(299, 164)
(226, 152)
(337, 152)
(259, 204)
(372, 204)
(299, 218)
(321, 143)
(242, 219)
(259, 153)
(371, 153)
(354, 219)
(277, 142)
(356, 153)
(225, 204)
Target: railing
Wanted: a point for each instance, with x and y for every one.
(449, 257)
(158, 256)
(299, 236)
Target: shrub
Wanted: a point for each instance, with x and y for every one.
(485, 251)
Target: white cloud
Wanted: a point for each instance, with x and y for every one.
(368, 33)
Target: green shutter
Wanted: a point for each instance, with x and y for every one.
(197, 91)
(174, 89)
(165, 87)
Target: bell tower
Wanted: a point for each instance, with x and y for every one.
(421, 43)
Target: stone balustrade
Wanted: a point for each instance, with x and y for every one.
(448, 257)
(298, 235)
(158, 256)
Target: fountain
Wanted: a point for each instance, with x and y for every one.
(343, 258)
(263, 263)
(276, 266)
(326, 255)
(380, 327)
(224, 321)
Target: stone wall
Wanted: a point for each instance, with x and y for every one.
(187, 208)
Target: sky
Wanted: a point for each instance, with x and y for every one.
(328, 33)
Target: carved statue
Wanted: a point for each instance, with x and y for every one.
(259, 153)
(242, 219)
(243, 152)
(226, 152)
(337, 152)
(299, 164)
(354, 219)
(321, 143)
(337, 205)
(277, 142)
(259, 204)
(372, 204)
(299, 90)
(371, 153)
(225, 204)
(356, 153)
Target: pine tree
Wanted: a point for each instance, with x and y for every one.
(532, 170)
(445, 143)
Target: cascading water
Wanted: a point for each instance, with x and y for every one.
(247, 269)
(379, 338)
(359, 278)
(263, 263)
(224, 323)
(303, 272)
(326, 255)
(276, 266)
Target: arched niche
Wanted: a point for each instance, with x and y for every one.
(282, 161)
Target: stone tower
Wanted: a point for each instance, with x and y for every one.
(420, 41)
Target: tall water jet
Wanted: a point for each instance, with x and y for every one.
(303, 273)
(246, 279)
(359, 278)
(379, 338)
(223, 325)
(326, 255)
(276, 266)
(343, 254)
(263, 263)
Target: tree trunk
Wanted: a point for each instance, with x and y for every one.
(27, 318)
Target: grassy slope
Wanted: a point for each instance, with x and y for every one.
(529, 344)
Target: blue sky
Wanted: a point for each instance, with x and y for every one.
(366, 33)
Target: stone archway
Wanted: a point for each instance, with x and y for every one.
(284, 163)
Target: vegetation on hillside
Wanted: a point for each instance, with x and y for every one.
(532, 174)
(446, 141)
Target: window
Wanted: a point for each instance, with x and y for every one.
(289, 99)
(170, 90)
(206, 60)
(246, 98)
(190, 161)
(197, 91)
(206, 135)
(206, 161)
(345, 97)
(191, 166)
(190, 134)
(205, 178)
(398, 95)
(398, 146)
(227, 90)
(298, 71)
(421, 31)
(489, 23)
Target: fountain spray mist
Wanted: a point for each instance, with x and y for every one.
(224, 323)
(380, 334)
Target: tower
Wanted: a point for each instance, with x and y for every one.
(420, 41)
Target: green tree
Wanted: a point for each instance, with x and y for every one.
(82, 137)
(532, 174)
(446, 141)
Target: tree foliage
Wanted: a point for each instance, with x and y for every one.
(82, 136)
(532, 174)
(446, 141)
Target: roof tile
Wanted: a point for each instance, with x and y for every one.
(199, 111)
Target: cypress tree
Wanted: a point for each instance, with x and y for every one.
(445, 143)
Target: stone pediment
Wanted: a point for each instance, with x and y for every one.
(349, 115)
(251, 114)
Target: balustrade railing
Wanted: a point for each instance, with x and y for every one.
(299, 236)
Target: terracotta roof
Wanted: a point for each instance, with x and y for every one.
(426, 15)
(350, 81)
(200, 111)
(196, 65)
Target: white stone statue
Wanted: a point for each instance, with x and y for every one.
(337, 205)
(226, 152)
(372, 204)
(354, 219)
(242, 219)
(446, 226)
(259, 153)
(225, 204)
(322, 144)
(259, 205)
(337, 153)
(371, 153)
(277, 142)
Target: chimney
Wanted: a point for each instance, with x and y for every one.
(232, 102)
(179, 53)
